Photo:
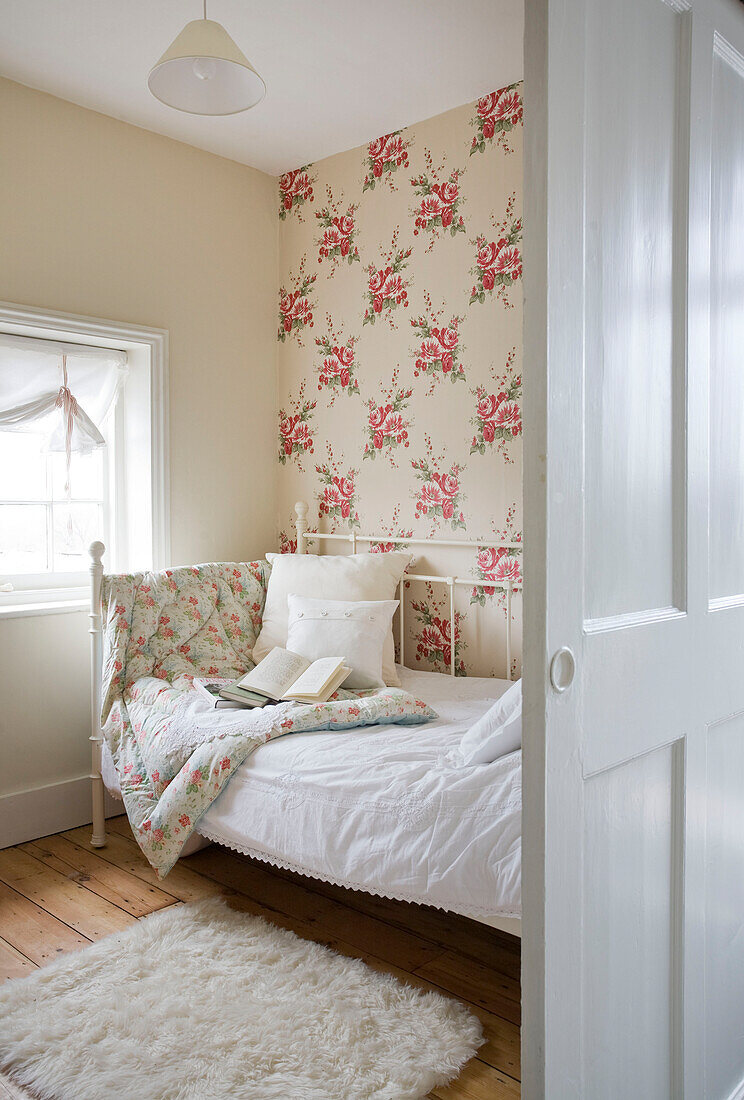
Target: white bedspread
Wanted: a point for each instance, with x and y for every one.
(386, 809)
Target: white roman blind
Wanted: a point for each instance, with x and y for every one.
(58, 391)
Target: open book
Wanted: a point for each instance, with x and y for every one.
(285, 675)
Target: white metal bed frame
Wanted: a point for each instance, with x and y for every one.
(97, 550)
(303, 536)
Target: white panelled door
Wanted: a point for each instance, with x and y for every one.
(633, 983)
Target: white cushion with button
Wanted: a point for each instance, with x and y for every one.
(337, 576)
(338, 628)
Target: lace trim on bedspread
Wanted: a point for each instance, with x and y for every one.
(297, 868)
(184, 734)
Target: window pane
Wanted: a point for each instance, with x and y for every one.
(22, 538)
(22, 467)
(86, 475)
(76, 526)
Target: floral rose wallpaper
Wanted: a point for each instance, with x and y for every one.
(400, 361)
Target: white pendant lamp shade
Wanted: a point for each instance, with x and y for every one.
(203, 72)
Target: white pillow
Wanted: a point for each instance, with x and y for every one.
(333, 577)
(337, 628)
(498, 732)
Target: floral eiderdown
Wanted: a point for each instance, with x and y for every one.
(174, 753)
(406, 256)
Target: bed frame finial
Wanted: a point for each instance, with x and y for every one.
(96, 551)
(301, 524)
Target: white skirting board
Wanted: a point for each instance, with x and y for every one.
(512, 925)
(29, 815)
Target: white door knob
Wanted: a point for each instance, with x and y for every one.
(562, 669)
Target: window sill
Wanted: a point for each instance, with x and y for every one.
(61, 602)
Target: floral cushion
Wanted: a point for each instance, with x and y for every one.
(200, 620)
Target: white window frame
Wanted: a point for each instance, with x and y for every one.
(147, 351)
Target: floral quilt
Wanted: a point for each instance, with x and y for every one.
(174, 753)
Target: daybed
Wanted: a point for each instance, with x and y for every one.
(386, 808)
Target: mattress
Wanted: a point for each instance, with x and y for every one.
(385, 809)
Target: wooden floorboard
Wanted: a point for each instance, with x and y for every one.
(88, 869)
(58, 894)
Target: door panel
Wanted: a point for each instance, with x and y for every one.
(633, 827)
(630, 822)
(727, 328)
(724, 909)
(631, 417)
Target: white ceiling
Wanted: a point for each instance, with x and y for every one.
(338, 72)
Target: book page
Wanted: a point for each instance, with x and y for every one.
(276, 673)
(323, 696)
(315, 678)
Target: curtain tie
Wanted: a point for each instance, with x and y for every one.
(69, 406)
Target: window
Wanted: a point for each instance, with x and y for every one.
(114, 488)
(43, 535)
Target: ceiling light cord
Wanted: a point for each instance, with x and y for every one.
(205, 9)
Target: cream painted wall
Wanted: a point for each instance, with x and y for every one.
(101, 218)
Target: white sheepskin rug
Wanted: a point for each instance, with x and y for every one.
(199, 1002)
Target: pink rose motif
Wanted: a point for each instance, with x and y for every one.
(331, 239)
(449, 484)
(449, 192)
(507, 569)
(345, 376)
(331, 496)
(431, 207)
(487, 558)
(346, 225)
(428, 639)
(448, 338)
(487, 406)
(446, 216)
(285, 304)
(345, 355)
(377, 303)
(431, 348)
(301, 309)
(486, 104)
(448, 509)
(285, 427)
(489, 127)
(509, 262)
(509, 416)
(346, 487)
(508, 106)
(487, 254)
(489, 431)
(393, 286)
(447, 362)
(431, 494)
(489, 279)
(394, 149)
(377, 147)
(376, 281)
(395, 425)
(345, 509)
(301, 436)
(376, 416)
(378, 440)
